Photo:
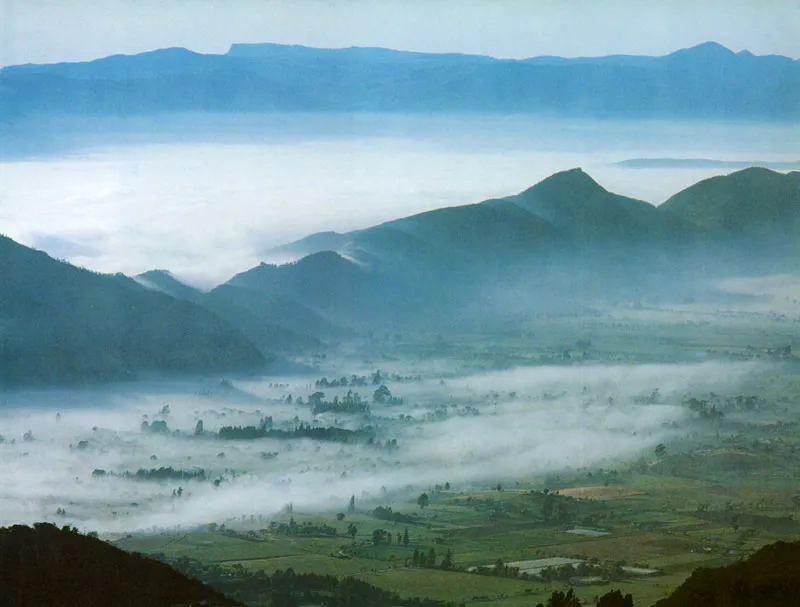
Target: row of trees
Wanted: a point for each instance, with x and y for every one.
(421, 559)
(381, 536)
(302, 430)
(352, 402)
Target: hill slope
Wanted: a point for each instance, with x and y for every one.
(769, 578)
(740, 203)
(565, 238)
(45, 565)
(59, 323)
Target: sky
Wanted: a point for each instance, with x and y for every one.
(46, 31)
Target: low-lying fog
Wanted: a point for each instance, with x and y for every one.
(469, 431)
(172, 192)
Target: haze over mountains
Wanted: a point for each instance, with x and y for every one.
(563, 242)
(700, 82)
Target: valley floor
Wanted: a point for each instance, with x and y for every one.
(725, 484)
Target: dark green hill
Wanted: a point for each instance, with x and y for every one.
(742, 203)
(565, 239)
(271, 321)
(586, 213)
(47, 566)
(324, 282)
(769, 578)
(62, 324)
(751, 218)
(567, 210)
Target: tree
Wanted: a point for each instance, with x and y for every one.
(198, 428)
(352, 530)
(415, 558)
(405, 537)
(378, 536)
(382, 394)
(563, 599)
(423, 500)
(431, 560)
(615, 599)
(351, 508)
(660, 450)
(447, 561)
(340, 516)
(548, 507)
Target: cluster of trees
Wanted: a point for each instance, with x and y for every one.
(386, 514)
(302, 430)
(158, 426)
(349, 403)
(390, 444)
(384, 396)
(307, 528)
(561, 598)
(557, 508)
(361, 381)
(290, 589)
(421, 559)
(343, 382)
(156, 474)
(564, 573)
(712, 407)
(500, 569)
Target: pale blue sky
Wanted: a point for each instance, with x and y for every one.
(42, 31)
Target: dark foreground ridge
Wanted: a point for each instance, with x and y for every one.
(769, 578)
(45, 565)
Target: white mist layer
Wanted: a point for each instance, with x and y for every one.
(560, 417)
(177, 193)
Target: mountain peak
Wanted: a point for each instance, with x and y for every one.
(706, 49)
(573, 179)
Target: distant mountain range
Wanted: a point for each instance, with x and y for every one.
(706, 81)
(560, 243)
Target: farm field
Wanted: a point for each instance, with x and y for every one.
(722, 484)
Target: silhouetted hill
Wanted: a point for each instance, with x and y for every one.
(164, 282)
(769, 578)
(59, 323)
(741, 202)
(331, 287)
(754, 214)
(705, 81)
(47, 566)
(271, 321)
(566, 238)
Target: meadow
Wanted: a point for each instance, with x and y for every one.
(708, 476)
